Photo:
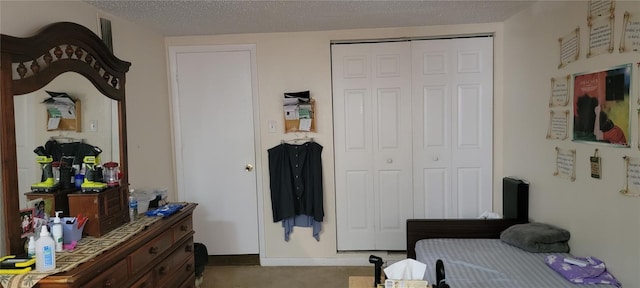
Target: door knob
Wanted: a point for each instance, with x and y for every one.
(248, 168)
(389, 160)
(435, 158)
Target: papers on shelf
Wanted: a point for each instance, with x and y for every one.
(59, 105)
(298, 111)
(291, 112)
(305, 125)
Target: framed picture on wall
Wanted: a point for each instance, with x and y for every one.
(601, 106)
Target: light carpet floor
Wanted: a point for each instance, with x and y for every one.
(282, 276)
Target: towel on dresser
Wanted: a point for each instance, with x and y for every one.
(537, 238)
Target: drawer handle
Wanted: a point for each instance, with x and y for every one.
(188, 248)
(162, 270)
(107, 283)
(153, 250)
(184, 227)
(189, 267)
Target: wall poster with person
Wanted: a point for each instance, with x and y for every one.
(601, 106)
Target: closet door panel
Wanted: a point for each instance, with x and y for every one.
(468, 193)
(392, 142)
(435, 198)
(353, 129)
(435, 132)
(452, 83)
(469, 117)
(432, 129)
(473, 124)
(390, 217)
(359, 220)
(355, 122)
(372, 108)
(389, 118)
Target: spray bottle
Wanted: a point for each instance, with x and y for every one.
(45, 251)
(56, 231)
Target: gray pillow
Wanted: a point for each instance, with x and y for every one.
(537, 238)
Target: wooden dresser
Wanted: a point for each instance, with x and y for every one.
(159, 256)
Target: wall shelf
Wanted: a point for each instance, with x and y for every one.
(68, 124)
(293, 125)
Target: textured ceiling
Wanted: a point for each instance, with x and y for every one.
(193, 17)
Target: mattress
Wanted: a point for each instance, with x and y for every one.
(489, 263)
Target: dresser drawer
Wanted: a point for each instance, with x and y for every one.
(115, 276)
(178, 275)
(171, 264)
(183, 228)
(147, 281)
(183, 252)
(190, 282)
(148, 253)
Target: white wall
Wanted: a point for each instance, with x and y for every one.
(603, 223)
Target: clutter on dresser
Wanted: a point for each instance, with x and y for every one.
(165, 210)
(13, 264)
(45, 251)
(133, 206)
(72, 228)
(111, 174)
(73, 164)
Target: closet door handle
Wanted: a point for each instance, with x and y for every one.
(248, 168)
(389, 160)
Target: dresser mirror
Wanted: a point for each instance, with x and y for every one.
(98, 125)
(62, 57)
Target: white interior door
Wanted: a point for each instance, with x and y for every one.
(453, 127)
(372, 130)
(29, 171)
(213, 90)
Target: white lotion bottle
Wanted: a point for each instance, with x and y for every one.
(45, 251)
(56, 231)
(31, 249)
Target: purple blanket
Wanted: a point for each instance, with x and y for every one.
(594, 273)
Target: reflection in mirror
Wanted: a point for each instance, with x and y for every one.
(98, 125)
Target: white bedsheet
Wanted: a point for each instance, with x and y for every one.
(489, 263)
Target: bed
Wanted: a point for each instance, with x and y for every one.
(474, 256)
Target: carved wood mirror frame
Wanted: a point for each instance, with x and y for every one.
(28, 64)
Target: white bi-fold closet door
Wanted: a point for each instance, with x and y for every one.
(413, 136)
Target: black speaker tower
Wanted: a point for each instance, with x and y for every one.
(515, 198)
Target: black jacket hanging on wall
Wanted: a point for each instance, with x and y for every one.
(295, 173)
